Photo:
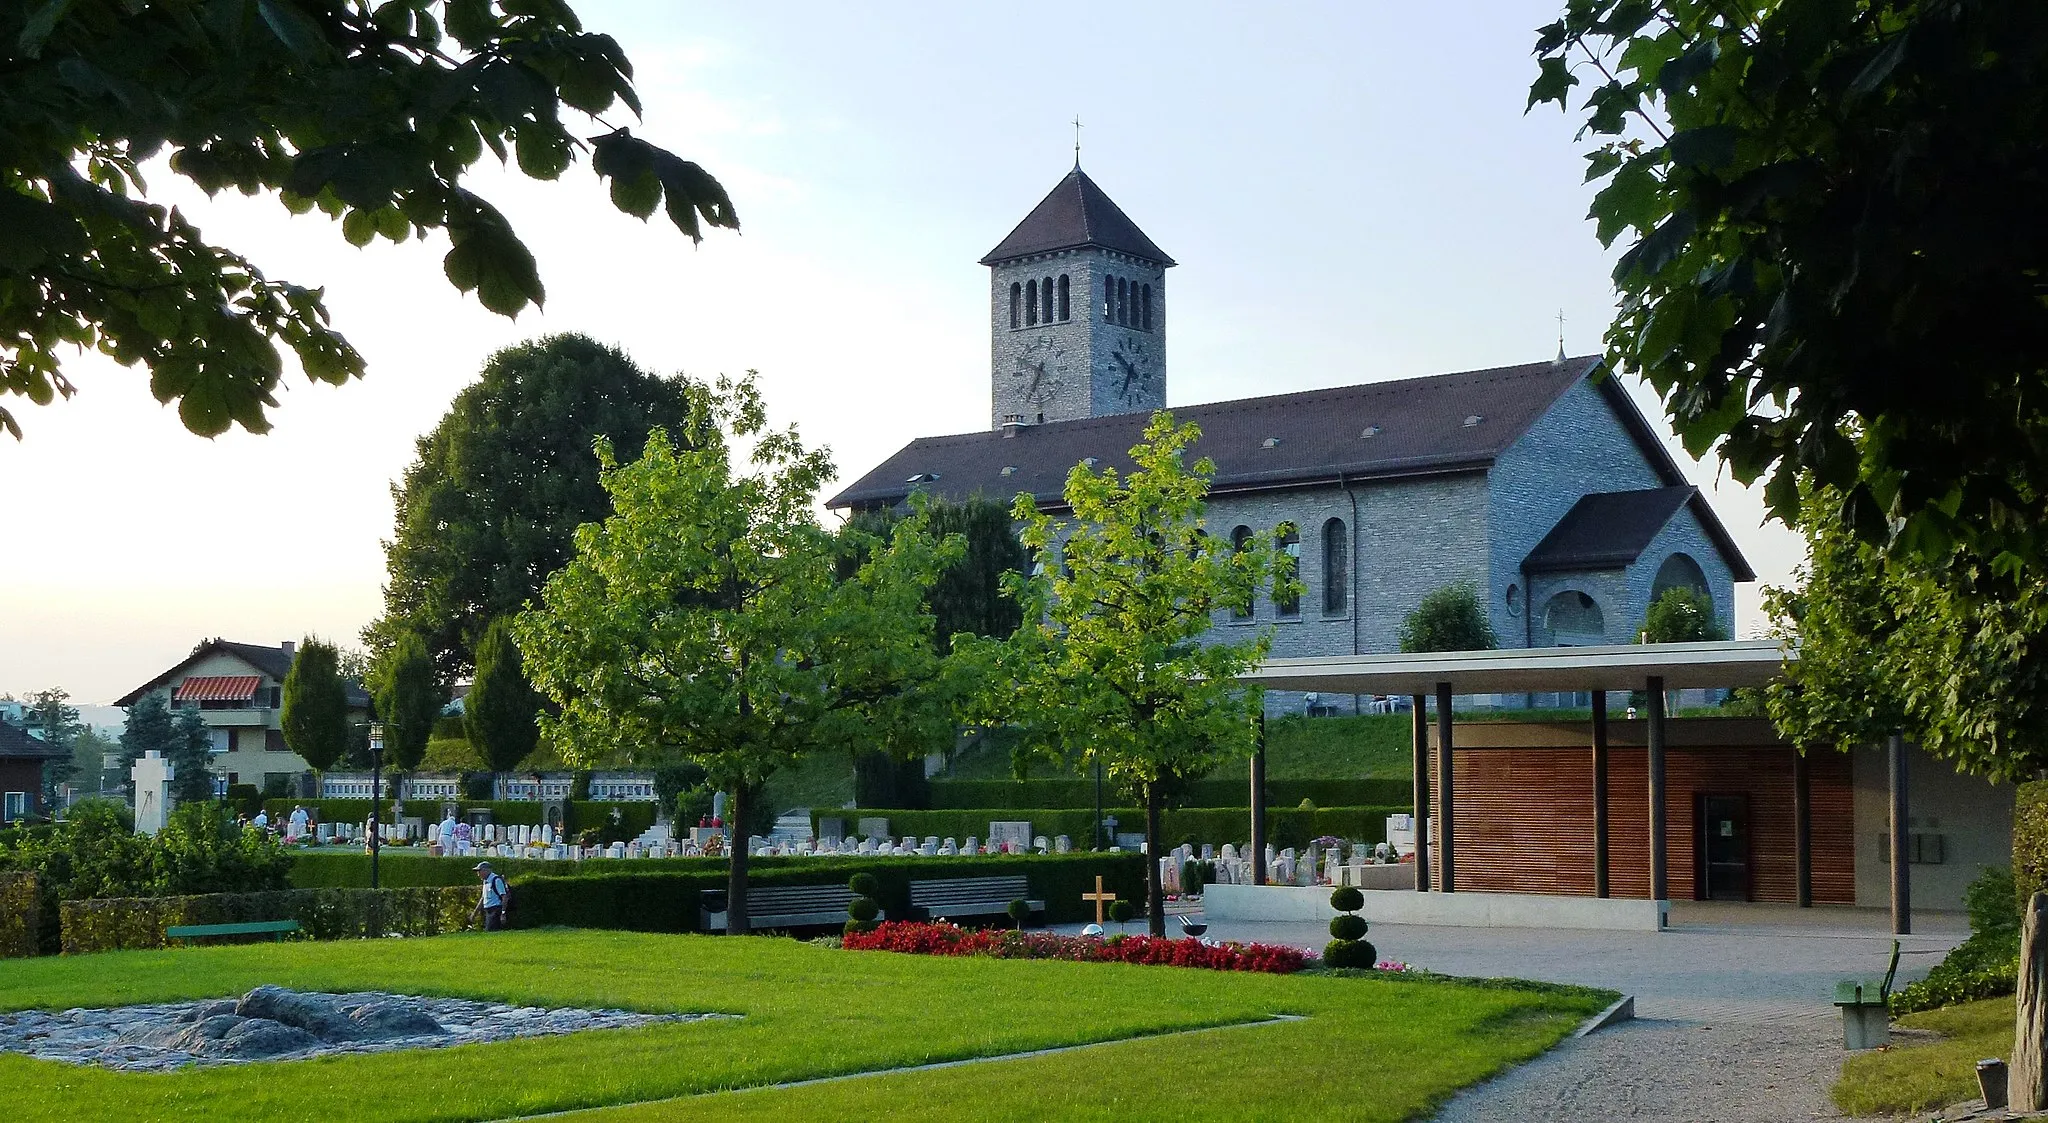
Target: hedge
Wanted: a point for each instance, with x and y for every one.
(323, 914)
(21, 905)
(1285, 826)
(669, 900)
(635, 817)
(1070, 794)
(400, 867)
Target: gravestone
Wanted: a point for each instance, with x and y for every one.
(1129, 841)
(875, 827)
(152, 775)
(832, 827)
(1017, 835)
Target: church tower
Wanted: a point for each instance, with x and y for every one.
(1077, 311)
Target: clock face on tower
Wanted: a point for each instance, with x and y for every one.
(1134, 372)
(1041, 373)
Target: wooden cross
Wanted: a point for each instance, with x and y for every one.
(1099, 897)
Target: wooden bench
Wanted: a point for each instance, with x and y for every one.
(780, 906)
(1866, 1016)
(276, 929)
(969, 896)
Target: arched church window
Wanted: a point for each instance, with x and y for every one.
(1045, 294)
(1574, 620)
(1109, 299)
(1679, 571)
(1240, 538)
(1065, 315)
(1336, 568)
(1146, 309)
(1123, 302)
(1290, 567)
(1031, 302)
(1016, 305)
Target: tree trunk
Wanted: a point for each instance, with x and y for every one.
(2028, 1087)
(1155, 901)
(736, 875)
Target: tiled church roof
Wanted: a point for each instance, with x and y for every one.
(1608, 530)
(1076, 214)
(1417, 427)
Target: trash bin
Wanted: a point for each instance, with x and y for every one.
(1991, 1081)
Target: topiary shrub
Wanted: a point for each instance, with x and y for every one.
(862, 911)
(1120, 913)
(864, 885)
(1191, 878)
(1349, 948)
(1020, 911)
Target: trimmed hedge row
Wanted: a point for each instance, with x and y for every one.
(634, 818)
(399, 868)
(21, 914)
(1070, 794)
(323, 914)
(669, 900)
(1286, 826)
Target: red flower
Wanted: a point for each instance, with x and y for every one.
(917, 938)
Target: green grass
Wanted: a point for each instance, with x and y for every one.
(1917, 1077)
(1369, 1049)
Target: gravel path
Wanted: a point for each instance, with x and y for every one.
(1733, 1018)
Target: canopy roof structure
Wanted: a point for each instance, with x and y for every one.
(1535, 669)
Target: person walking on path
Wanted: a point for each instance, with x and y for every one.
(492, 901)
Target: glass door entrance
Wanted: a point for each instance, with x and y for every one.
(1723, 859)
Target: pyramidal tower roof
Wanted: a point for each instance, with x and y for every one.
(1076, 213)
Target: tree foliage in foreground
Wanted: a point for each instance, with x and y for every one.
(1887, 645)
(376, 113)
(1838, 259)
(490, 505)
(1448, 619)
(706, 618)
(1110, 666)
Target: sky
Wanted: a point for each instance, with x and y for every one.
(1352, 191)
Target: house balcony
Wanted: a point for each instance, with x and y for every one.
(228, 719)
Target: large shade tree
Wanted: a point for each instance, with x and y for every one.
(490, 505)
(1115, 664)
(706, 618)
(314, 711)
(375, 113)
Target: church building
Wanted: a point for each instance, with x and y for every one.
(1541, 484)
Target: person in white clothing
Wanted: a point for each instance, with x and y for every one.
(446, 836)
(295, 827)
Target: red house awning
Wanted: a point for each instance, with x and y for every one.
(218, 688)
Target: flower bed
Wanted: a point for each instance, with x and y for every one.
(918, 938)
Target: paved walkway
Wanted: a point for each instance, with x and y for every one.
(1733, 1019)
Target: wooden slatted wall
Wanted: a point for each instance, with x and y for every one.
(1525, 819)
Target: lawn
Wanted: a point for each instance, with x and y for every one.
(1370, 1049)
(1917, 1077)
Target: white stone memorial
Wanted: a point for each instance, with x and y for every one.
(152, 775)
(1014, 835)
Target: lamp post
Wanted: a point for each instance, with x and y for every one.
(376, 795)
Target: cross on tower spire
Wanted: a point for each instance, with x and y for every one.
(1077, 140)
(1560, 335)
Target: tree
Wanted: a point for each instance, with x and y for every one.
(490, 506)
(191, 757)
(1448, 619)
(148, 728)
(60, 725)
(501, 713)
(1680, 614)
(706, 619)
(373, 113)
(89, 752)
(409, 700)
(315, 710)
(1886, 645)
(1837, 247)
(1111, 666)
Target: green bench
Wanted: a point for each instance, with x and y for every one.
(1866, 1017)
(275, 928)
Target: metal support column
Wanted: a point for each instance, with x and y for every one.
(1258, 845)
(1446, 786)
(1419, 722)
(1902, 882)
(1659, 884)
(1802, 829)
(1600, 793)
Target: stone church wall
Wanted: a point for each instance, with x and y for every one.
(1683, 535)
(1578, 448)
